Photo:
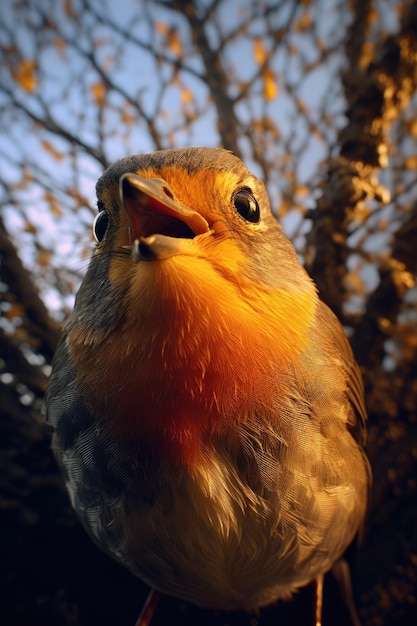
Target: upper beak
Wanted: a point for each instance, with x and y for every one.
(152, 208)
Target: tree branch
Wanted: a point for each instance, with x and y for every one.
(376, 96)
(52, 126)
(41, 328)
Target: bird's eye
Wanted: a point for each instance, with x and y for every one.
(247, 206)
(100, 225)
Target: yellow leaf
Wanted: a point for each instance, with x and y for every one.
(362, 212)
(69, 12)
(412, 127)
(267, 125)
(60, 44)
(302, 191)
(259, 53)
(304, 22)
(98, 91)
(284, 208)
(410, 162)
(186, 96)
(355, 282)
(301, 105)
(161, 28)
(44, 257)
(53, 204)
(30, 228)
(270, 85)
(13, 311)
(127, 118)
(174, 42)
(25, 75)
(367, 54)
(53, 151)
(26, 178)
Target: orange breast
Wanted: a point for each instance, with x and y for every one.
(196, 351)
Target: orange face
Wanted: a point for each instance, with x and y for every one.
(208, 314)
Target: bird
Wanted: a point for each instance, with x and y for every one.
(208, 414)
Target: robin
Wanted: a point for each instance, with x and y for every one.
(208, 413)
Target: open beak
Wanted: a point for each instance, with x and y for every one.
(160, 226)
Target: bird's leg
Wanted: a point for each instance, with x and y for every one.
(341, 573)
(318, 600)
(149, 608)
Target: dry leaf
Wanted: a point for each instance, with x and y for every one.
(174, 42)
(304, 22)
(270, 85)
(259, 53)
(25, 75)
(60, 44)
(410, 162)
(69, 12)
(53, 151)
(162, 28)
(53, 204)
(187, 96)
(13, 311)
(98, 91)
(44, 258)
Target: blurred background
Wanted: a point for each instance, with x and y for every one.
(319, 99)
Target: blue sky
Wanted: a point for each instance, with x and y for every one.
(66, 79)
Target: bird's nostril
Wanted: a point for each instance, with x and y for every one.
(168, 192)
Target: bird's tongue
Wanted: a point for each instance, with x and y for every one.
(151, 208)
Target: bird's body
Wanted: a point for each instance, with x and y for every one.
(208, 412)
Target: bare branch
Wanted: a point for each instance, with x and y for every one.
(42, 331)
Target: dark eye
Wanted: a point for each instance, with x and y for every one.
(247, 206)
(100, 225)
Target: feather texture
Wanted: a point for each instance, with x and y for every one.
(208, 411)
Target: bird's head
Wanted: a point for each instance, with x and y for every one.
(193, 296)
